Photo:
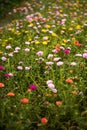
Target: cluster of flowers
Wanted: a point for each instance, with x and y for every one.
(51, 86)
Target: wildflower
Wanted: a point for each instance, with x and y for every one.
(77, 43)
(79, 55)
(8, 75)
(44, 120)
(50, 56)
(10, 94)
(27, 43)
(49, 82)
(37, 42)
(49, 63)
(17, 48)
(54, 90)
(8, 47)
(20, 68)
(45, 38)
(59, 63)
(57, 47)
(58, 103)
(1, 67)
(1, 85)
(4, 58)
(69, 81)
(74, 92)
(85, 55)
(44, 43)
(73, 64)
(10, 54)
(40, 53)
(54, 34)
(66, 51)
(56, 59)
(24, 100)
(27, 68)
(51, 86)
(32, 87)
(27, 50)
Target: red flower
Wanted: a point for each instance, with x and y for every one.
(44, 120)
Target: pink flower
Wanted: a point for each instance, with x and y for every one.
(8, 75)
(4, 58)
(49, 82)
(40, 53)
(54, 90)
(1, 67)
(66, 51)
(85, 55)
(51, 86)
(32, 87)
(20, 68)
(73, 64)
(59, 63)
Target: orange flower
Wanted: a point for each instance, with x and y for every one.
(69, 81)
(44, 120)
(24, 100)
(58, 103)
(11, 94)
(77, 43)
(1, 85)
(57, 47)
(74, 92)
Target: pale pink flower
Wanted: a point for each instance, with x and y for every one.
(73, 63)
(85, 55)
(20, 68)
(59, 63)
(49, 82)
(4, 58)
(54, 90)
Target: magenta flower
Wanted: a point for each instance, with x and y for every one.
(1, 67)
(66, 51)
(8, 75)
(32, 87)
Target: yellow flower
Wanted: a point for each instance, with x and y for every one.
(54, 34)
(33, 48)
(5, 40)
(44, 30)
(64, 28)
(13, 30)
(60, 15)
(78, 27)
(48, 26)
(10, 38)
(31, 25)
(63, 44)
(70, 29)
(60, 10)
(1, 52)
(64, 40)
(29, 39)
(37, 42)
(44, 43)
